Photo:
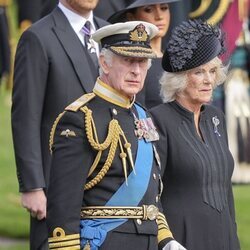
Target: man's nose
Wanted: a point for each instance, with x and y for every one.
(136, 68)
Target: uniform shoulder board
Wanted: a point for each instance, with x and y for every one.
(76, 105)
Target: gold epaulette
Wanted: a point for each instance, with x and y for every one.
(163, 228)
(62, 241)
(76, 105)
(5, 3)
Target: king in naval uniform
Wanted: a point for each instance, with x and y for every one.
(105, 183)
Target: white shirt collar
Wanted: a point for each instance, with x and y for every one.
(75, 20)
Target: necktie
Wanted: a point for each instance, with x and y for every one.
(89, 43)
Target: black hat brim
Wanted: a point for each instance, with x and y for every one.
(120, 16)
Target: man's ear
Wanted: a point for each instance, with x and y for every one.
(103, 64)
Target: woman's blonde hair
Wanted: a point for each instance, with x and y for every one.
(173, 83)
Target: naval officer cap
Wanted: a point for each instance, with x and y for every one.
(130, 39)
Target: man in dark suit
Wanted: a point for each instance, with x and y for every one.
(52, 68)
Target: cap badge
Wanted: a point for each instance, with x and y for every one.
(139, 34)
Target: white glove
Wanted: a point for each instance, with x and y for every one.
(173, 245)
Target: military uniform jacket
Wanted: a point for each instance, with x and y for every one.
(72, 156)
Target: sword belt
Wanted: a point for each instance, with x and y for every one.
(145, 212)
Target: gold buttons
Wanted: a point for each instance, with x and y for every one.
(114, 111)
(154, 176)
(157, 198)
(139, 222)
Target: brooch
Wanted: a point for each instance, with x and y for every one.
(216, 122)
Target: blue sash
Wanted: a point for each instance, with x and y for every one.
(94, 231)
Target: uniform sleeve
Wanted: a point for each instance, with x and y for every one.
(164, 233)
(30, 79)
(71, 159)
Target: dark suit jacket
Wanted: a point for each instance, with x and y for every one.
(52, 68)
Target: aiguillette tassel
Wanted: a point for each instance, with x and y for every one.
(124, 165)
(130, 157)
(87, 246)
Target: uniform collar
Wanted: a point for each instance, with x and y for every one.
(109, 94)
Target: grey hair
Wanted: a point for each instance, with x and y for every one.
(173, 83)
(108, 57)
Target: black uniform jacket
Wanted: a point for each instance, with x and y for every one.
(71, 160)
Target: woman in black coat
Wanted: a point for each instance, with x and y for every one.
(196, 162)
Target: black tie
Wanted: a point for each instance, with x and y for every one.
(89, 43)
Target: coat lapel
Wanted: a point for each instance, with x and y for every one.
(81, 62)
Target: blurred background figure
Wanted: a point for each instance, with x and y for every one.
(106, 8)
(158, 13)
(5, 65)
(29, 11)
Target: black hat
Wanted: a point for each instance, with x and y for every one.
(192, 44)
(120, 16)
(128, 39)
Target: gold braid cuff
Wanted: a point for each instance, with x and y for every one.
(163, 228)
(64, 242)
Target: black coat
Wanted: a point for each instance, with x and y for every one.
(197, 198)
(52, 68)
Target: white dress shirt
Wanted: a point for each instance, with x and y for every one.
(77, 22)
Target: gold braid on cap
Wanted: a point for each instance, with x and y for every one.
(115, 136)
